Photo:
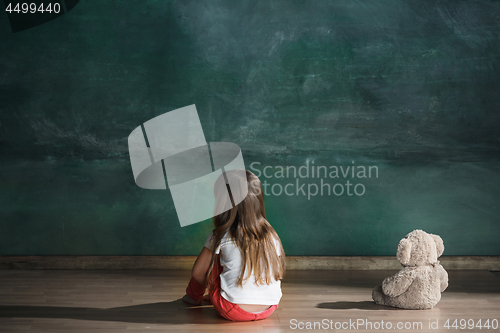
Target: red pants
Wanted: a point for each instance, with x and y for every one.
(228, 310)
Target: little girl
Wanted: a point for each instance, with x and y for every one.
(244, 272)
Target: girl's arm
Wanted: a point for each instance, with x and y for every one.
(201, 265)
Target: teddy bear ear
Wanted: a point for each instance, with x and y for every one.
(404, 251)
(439, 244)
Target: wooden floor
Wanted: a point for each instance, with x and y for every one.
(148, 301)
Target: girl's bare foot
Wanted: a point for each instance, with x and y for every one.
(191, 301)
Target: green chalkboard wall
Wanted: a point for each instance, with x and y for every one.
(408, 88)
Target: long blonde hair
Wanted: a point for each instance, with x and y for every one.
(253, 235)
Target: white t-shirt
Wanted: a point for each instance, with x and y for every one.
(231, 262)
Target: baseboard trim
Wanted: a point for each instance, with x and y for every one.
(491, 263)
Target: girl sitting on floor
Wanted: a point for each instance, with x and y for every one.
(244, 272)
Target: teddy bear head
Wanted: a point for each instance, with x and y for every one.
(419, 248)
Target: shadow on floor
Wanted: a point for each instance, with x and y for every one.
(175, 312)
(363, 305)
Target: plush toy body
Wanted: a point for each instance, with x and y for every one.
(422, 280)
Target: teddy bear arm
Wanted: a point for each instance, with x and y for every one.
(397, 284)
(443, 278)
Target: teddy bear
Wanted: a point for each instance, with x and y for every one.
(421, 281)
